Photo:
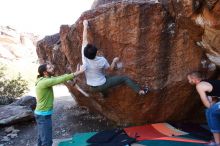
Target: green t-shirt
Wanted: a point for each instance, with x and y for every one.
(44, 90)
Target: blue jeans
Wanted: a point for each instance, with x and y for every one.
(44, 129)
(213, 117)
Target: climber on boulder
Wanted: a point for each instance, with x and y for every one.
(96, 65)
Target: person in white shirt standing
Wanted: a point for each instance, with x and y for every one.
(96, 65)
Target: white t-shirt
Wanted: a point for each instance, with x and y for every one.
(94, 72)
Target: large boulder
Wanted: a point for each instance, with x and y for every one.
(13, 114)
(28, 101)
(97, 3)
(203, 13)
(158, 46)
(19, 111)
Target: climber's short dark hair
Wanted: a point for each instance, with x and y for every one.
(90, 51)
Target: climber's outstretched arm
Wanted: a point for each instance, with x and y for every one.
(85, 33)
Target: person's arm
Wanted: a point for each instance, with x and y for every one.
(114, 62)
(85, 33)
(201, 89)
(49, 82)
(63, 78)
(85, 38)
(79, 70)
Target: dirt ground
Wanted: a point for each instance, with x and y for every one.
(68, 118)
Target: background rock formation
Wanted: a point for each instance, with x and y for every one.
(18, 50)
(16, 45)
(158, 43)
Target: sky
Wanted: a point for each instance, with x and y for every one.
(42, 17)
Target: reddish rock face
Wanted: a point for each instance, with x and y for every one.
(206, 14)
(157, 48)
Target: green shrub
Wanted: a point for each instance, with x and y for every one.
(11, 88)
